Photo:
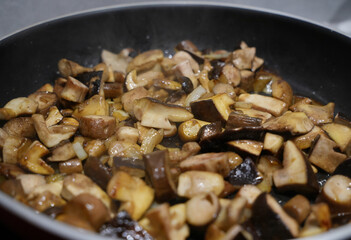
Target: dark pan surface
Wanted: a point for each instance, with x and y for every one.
(313, 59)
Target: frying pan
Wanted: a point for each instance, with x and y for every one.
(312, 58)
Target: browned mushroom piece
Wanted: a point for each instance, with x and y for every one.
(264, 116)
(71, 166)
(297, 174)
(264, 103)
(95, 126)
(13, 188)
(10, 171)
(51, 136)
(305, 141)
(231, 75)
(267, 164)
(158, 171)
(32, 159)
(273, 143)
(153, 113)
(14, 148)
(220, 163)
(189, 130)
(96, 105)
(118, 62)
(245, 173)
(62, 153)
(31, 182)
(45, 100)
(283, 91)
(70, 68)
(336, 192)
(129, 190)
(187, 45)
(129, 97)
(20, 127)
(237, 119)
(246, 147)
(294, 122)
(318, 221)
(266, 212)
(74, 90)
(298, 208)
(113, 90)
(246, 80)
(242, 58)
(44, 200)
(184, 69)
(192, 183)
(317, 114)
(341, 134)
(88, 208)
(181, 56)
(133, 166)
(146, 60)
(324, 156)
(18, 106)
(342, 119)
(202, 209)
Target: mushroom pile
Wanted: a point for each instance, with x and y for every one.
(198, 145)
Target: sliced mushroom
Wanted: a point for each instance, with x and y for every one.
(184, 69)
(70, 68)
(264, 116)
(283, 91)
(250, 147)
(32, 159)
(231, 75)
(62, 153)
(264, 103)
(118, 62)
(324, 156)
(216, 108)
(318, 114)
(187, 45)
(220, 163)
(181, 56)
(145, 60)
(305, 141)
(318, 221)
(74, 90)
(76, 184)
(167, 84)
(246, 80)
(29, 182)
(113, 90)
(158, 171)
(45, 200)
(202, 209)
(266, 212)
(133, 166)
(96, 105)
(44, 99)
(297, 174)
(267, 164)
(129, 134)
(242, 58)
(153, 113)
(341, 134)
(51, 136)
(13, 148)
(342, 119)
(129, 190)
(97, 171)
(95, 126)
(129, 97)
(273, 142)
(54, 117)
(189, 130)
(298, 208)
(294, 122)
(191, 183)
(18, 106)
(71, 166)
(238, 119)
(88, 208)
(150, 140)
(336, 192)
(9, 170)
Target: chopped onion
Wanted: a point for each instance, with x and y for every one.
(195, 95)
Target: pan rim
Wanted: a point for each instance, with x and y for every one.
(66, 231)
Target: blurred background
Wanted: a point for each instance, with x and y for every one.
(18, 14)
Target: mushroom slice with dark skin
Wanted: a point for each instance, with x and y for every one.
(264, 103)
(123, 225)
(297, 174)
(70, 68)
(336, 192)
(318, 221)
(245, 173)
(202, 209)
(62, 153)
(324, 156)
(18, 106)
(294, 122)
(341, 134)
(95, 126)
(266, 212)
(146, 60)
(133, 166)
(238, 119)
(71, 166)
(220, 163)
(153, 113)
(246, 80)
(305, 141)
(298, 207)
(9, 170)
(283, 91)
(247, 147)
(97, 171)
(273, 143)
(158, 172)
(318, 114)
(231, 75)
(129, 97)
(45, 100)
(242, 58)
(264, 116)
(189, 130)
(186, 45)
(342, 119)
(113, 90)
(74, 91)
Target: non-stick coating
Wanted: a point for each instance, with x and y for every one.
(313, 59)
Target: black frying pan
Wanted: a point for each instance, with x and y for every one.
(313, 59)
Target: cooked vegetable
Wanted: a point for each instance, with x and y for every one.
(199, 144)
